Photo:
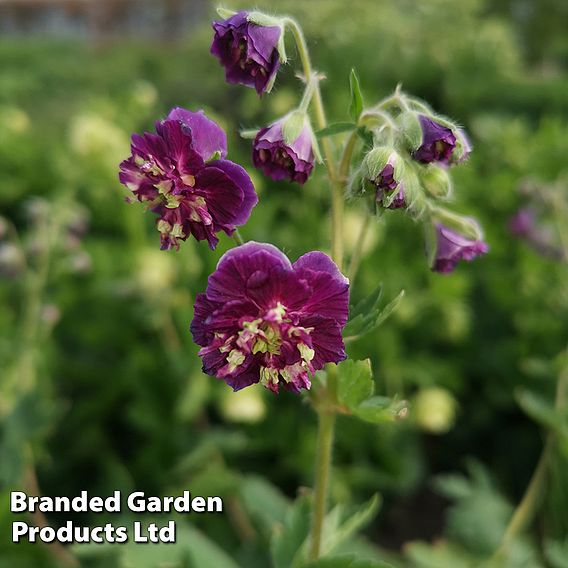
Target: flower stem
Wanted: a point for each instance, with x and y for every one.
(326, 426)
(359, 246)
(237, 238)
(326, 412)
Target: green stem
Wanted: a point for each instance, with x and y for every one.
(326, 426)
(237, 238)
(359, 246)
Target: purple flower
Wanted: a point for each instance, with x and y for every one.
(247, 51)
(438, 142)
(386, 183)
(453, 247)
(190, 195)
(522, 223)
(281, 160)
(263, 319)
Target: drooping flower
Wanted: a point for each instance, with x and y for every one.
(281, 159)
(453, 247)
(248, 51)
(182, 174)
(438, 142)
(264, 319)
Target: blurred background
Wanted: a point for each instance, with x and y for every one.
(100, 383)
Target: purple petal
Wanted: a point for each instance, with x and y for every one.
(208, 137)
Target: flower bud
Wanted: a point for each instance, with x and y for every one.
(437, 182)
(384, 168)
(250, 46)
(285, 149)
(463, 147)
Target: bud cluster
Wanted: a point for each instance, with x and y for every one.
(407, 167)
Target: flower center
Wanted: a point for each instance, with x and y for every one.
(283, 350)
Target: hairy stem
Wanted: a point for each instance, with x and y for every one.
(237, 238)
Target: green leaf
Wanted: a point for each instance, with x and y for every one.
(288, 545)
(336, 128)
(556, 553)
(542, 411)
(356, 103)
(380, 409)
(263, 501)
(367, 315)
(355, 382)
(347, 561)
(334, 536)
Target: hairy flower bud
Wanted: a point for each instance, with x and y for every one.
(384, 168)
(437, 182)
(250, 47)
(285, 149)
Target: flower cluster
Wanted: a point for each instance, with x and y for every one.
(181, 173)
(264, 319)
(406, 167)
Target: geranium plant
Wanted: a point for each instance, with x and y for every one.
(263, 318)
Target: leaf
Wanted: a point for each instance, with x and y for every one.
(335, 128)
(556, 553)
(367, 315)
(355, 382)
(380, 409)
(289, 542)
(542, 411)
(263, 501)
(356, 103)
(347, 561)
(334, 538)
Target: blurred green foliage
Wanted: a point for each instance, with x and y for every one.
(103, 389)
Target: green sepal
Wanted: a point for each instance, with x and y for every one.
(436, 181)
(225, 13)
(249, 134)
(411, 129)
(465, 226)
(262, 19)
(416, 203)
(293, 125)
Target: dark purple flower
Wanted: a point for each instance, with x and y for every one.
(453, 247)
(247, 51)
(522, 223)
(190, 195)
(438, 142)
(281, 160)
(263, 319)
(386, 184)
